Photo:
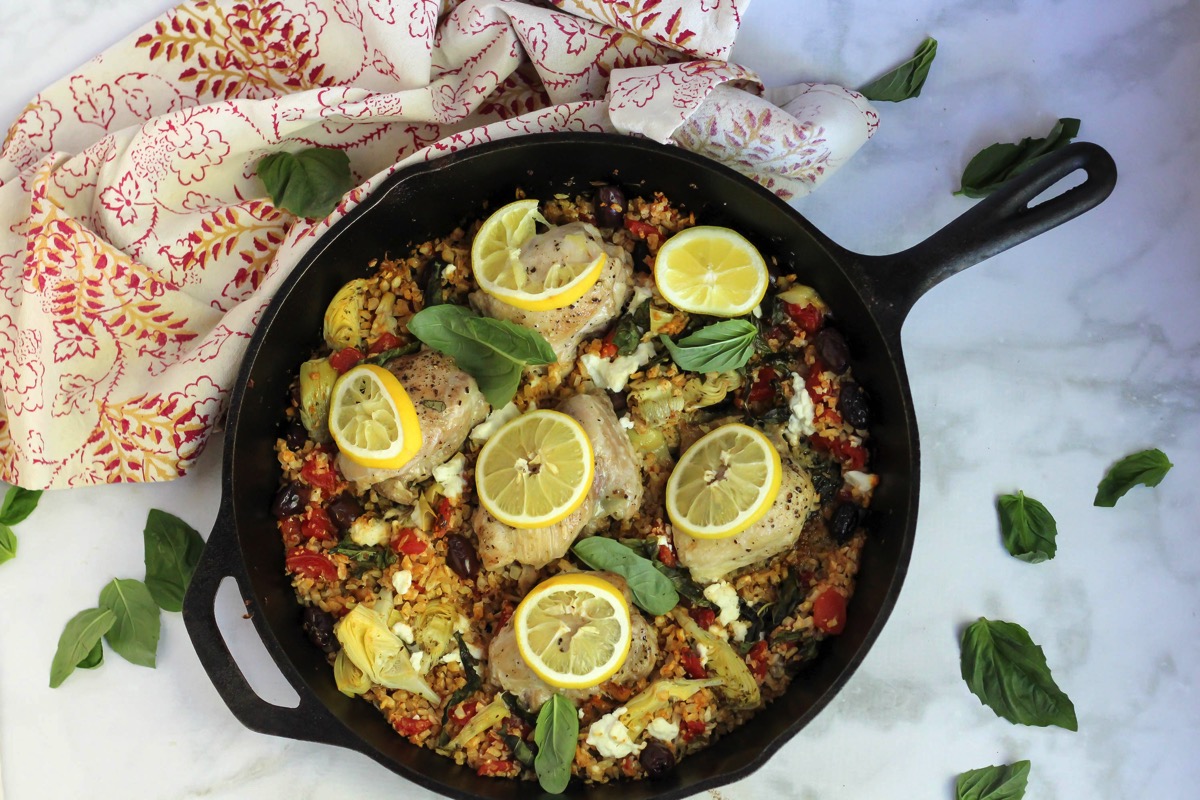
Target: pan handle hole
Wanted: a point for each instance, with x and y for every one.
(1062, 186)
(248, 650)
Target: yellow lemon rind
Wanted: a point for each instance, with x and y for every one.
(669, 291)
(402, 406)
(548, 301)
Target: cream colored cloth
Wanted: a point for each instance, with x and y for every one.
(137, 247)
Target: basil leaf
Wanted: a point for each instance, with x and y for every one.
(8, 543)
(630, 327)
(906, 80)
(470, 667)
(518, 709)
(494, 352)
(93, 659)
(1148, 468)
(720, 347)
(651, 590)
(434, 294)
(18, 504)
(1029, 530)
(1006, 782)
(519, 747)
(134, 634)
(1008, 673)
(308, 183)
(172, 552)
(556, 736)
(79, 638)
(683, 584)
(994, 165)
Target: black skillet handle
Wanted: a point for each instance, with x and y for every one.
(221, 559)
(1001, 220)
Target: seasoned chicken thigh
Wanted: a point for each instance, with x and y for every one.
(710, 560)
(616, 493)
(448, 403)
(509, 671)
(564, 328)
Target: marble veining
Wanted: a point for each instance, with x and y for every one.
(1034, 370)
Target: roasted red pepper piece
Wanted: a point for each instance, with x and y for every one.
(829, 611)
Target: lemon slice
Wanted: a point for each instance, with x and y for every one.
(372, 419)
(724, 483)
(496, 260)
(573, 630)
(535, 470)
(711, 270)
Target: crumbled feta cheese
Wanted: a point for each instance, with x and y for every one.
(702, 651)
(800, 423)
(738, 629)
(663, 729)
(475, 650)
(613, 374)
(640, 295)
(625, 422)
(449, 476)
(662, 540)
(402, 582)
(581, 713)
(725, 597)
(453, 657)
(861, 481)
(448, 271)
(417, 657)
(369, 530)
(610, 736)
(404, 631)
(462, 624)
(484, 430)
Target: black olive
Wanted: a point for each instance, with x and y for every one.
(461, 556)
(318, 625)
(832, 349)
(844, 522)
(657, 759)
(610, 207)
(295, 436)
(343, 511)
(852, 404)
(289, 500)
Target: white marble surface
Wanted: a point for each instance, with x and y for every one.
(1034, 370)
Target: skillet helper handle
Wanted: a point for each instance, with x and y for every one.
(999, 221)
(309, 720)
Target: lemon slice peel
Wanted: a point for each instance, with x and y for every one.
(372, 419)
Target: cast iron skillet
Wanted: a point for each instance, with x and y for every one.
(869, 295)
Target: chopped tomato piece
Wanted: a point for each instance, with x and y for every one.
(495, 767)
(829, 611)
(445, 509)
(642, 230)
(852, 456)
(692, 728)
(692, 665)
(291, 530)
(311, 565)
(411, 726)
(666, 555)
(386, 341)
(758, 658)
(318, 472)
(763, 389)
(409, 542)
(704, 617)
(344, 359)
(466, 711)
(815, 382)
(317, 524)
(808, 318)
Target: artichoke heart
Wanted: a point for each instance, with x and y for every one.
(343, 314)
(317, 377)
(379, 653)
(738, 685)
(350, 679)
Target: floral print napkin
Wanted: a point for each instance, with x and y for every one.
(137, 247)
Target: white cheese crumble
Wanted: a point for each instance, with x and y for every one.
(662, 540)
(404, 631)
(800, 423)
(861, 481)
(613, 374)
(725, 597)
(453, 657)
(738, 630)
(369, 531)
(448, 271)
(625, 422)
(475, 650)
(610, 736)
(663, 729)
(484, 430)
(402, 582)
(702, 651)
(417, 657)
(449, 476)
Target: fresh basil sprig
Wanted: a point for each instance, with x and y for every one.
(556, 736)
(905, 81)
(1008, 673)
(78, 642)
(18, 504)
(1004, 782)
(308, 183)
(135, 631)
(1148, 468)
(494, 352)
(652, 591)
(1028, 528)
(172, 552)
(471, 668)
(995, 164)
(720, 347)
